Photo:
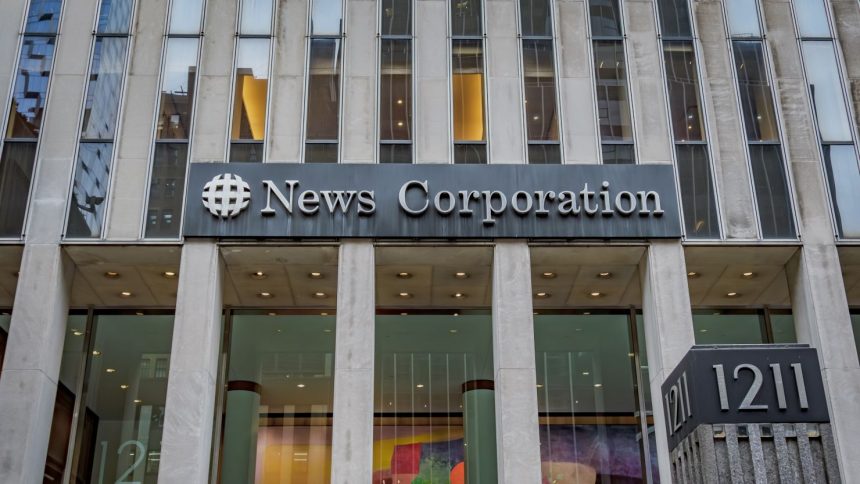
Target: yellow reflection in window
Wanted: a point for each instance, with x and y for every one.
(468, 107)
(249, 106)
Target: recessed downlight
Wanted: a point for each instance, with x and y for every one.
(542, 295)
(138, 401)
(404, 275)
(549, 275)
(692, 274)
(111, 275)
(461, 275)
(300, 385)
(458, 295)
(97, 353)
(125, 294)
(77, 332)
(598, 385)
(110, 370)
(265, 295)
(748, 275)
(604, 275)
(259, 275)
(732, 294)
(320, 295)
(420, 385)
(315, 275)
(168, 274)
(405, 295)
(596, 294)
(123, 386)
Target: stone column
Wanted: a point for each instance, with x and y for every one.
(432, 133)
(352, 434)
(506, 135)
(846, 16)
(668, 325)
(359, 77)
(11, 14)
(191, 386)
(518, 440)
(288, 75)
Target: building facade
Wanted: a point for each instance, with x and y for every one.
(156, 328)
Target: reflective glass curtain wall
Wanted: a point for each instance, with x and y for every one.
(743, 326)
(832, 114)
(98, 128)
(539, 82)
(173, 122)
(251, 81)
(323, 104)
(698, 199)
(769, 172)
(25, 113)
(610, 77)
(395, 82)
(467, 82)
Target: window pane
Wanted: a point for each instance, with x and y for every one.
(825, 87)
(684, 101)
(321, 153)
(395, 90)
(782, 327)
(605, 18)
(114, 16)
(252, 88)
(43, 17)
(16, 173)
(536, 18)
(772, 193)
(743, 18)
(544, 154)
(466, 18)
(166, 190)
(395, 153)
(855, 322)
(280, 386)
(470, 154)
(755, 92)
(177, 89)
(467, 66)
(31, 87)
(645, 378)
(613, 102)
(186, 16)
(811, 18)
(323, 110)
(89, 192)
(421, 412)
(123, 416)
(5, 319)
(586, 407)
(697, 192)
(327, 17)
(246, 152)
(717, 327)
(539, 79)
(396, 17)
(674, 18)
(614, 154)
(101, 106)
(256, 17)
(840, 162)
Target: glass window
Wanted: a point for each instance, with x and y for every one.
(536, 18)
(742, 17)
(755, 91)
(321, 153)
(540, 100)
(840, 161)
(544, 154)
(101, 107)
(782, 327)
(5, 319)
(825, 88)
(720, 327)
(251, 89)
(256, 17)
(618, 154)
(395, 91)
(396, 17)
(434, 417)
(772, 193)
(114, 16)
(470, 153)
(177, 89)
(16, 173)
(323, 110)
(327, 17)
(246, 152)
(466, 18)
(468, 88)
(613, 103)
(89, 191)
(697, 192)
(644, 377)
(395, 153)
(43, 17)
(31, 87)
(684, 102)
(166, 188)
(811, 18)
(855, 322)
(279, 399)
(186, 17)
(605, 18)
(674, 18)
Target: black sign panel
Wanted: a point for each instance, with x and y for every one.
(275, 200)
(743, 384)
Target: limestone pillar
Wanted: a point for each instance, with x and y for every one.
(504, 86)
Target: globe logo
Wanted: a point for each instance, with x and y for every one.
(226, 195)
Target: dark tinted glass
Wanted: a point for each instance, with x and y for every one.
(684, 101)
(395, 90)
(105, 87)
(466, 18)
(772, 194)
(31, 87)
(43, 17)
(605, 18)
(734, 327)
(536, 18)
(114, 16)
(246, 152)
(618, 154)
(396, 17)
(89, 192)
(321, 153)
(16, 173)
(697, 192)
(674, 18)
(323, 108)
(539, 79)
(755, 92)
(177, 89)
(470, 154)
(844, 177)
(544, 154)
(613, 102)
(166, 189)
(395, 153)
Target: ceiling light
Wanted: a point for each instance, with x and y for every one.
(273, 314)
(77, 332)
(458, 295)
(97, 353)
(259, 275)
(548, 275)
(732, 294)
(405, 295)
(315, 275)
(138, 400)
(703, 330)
(587, 313)
(452, 331)
(748, 275)
(539, 385)
(110, 370)
(400, 101)
(323, 314)
(404, 314)
(420, 385)
(598, 385)
(404, 275)
(604, 275)
(586, 373)
(326, 330)
(692, 274)
(112, 275)
(320, 295)
(168, 274)
(456, 314)
(542, 295)
(125, 294)
(301, 385)
(595, 294)
(139, 313)
(461, 275)
(123, 386)
(264, 294)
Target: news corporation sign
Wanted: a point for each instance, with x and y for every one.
(288, 200)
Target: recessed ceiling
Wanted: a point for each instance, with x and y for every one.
(849, 258)
(10, 262)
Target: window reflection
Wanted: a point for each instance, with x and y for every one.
(539, 79)
(31, 87)
(396, 17)
(605, 18)
(697, 191)
(395, 110)
(742, 17)
(468, 88)
(674, 18)
(327, 17)
(825, 88)
(772, 192)
(255, 17)
(16, 174)
(251, 89)
(811, 18)
(755, 92)
(114, 16)
(186, 17)
(395, 153)
(843, 173)
(166, 188)
(743, 326)
(613, 103)
(684, 101)
(177, 89)
(43, 17)
(323, 109)
(466, 18)
(855, 322)
(618, 154)
(90, 190)
(544, 154)
(101, 107)
(536, 18)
